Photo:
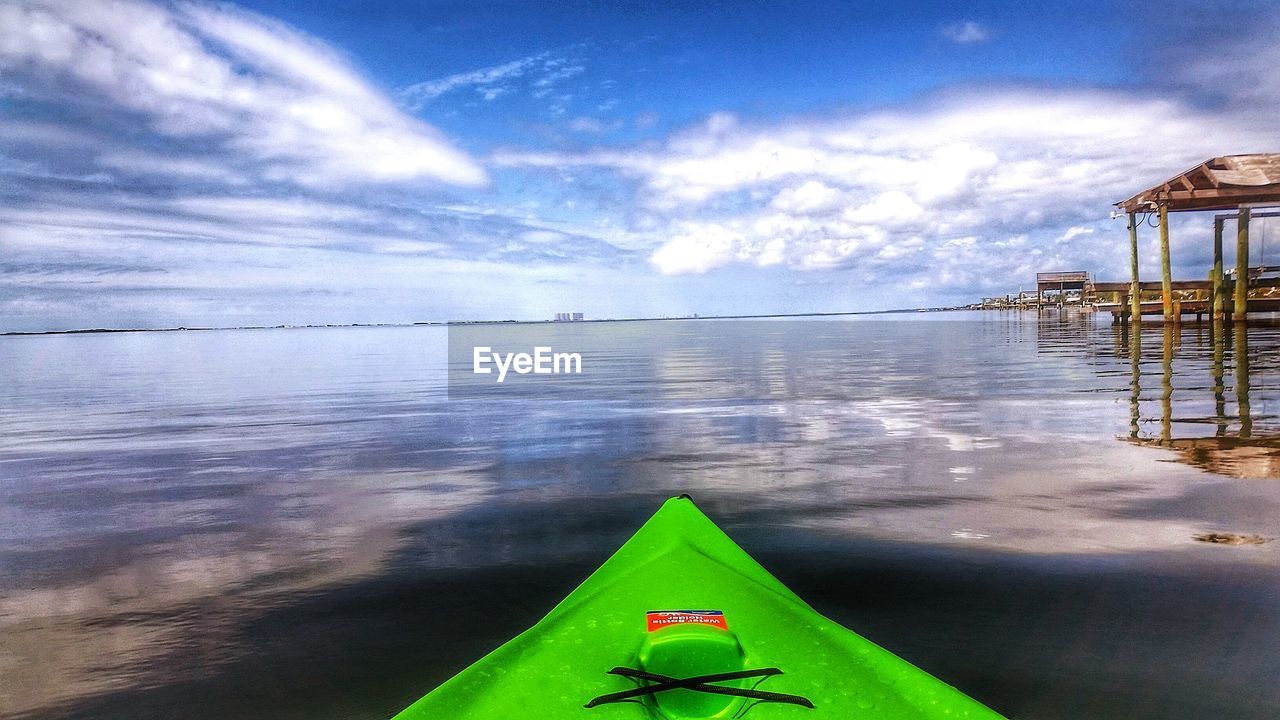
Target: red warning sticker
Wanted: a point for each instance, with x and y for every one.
(656, 619)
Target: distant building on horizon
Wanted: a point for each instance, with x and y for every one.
(568, 317)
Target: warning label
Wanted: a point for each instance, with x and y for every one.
(656, 619)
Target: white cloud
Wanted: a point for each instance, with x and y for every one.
(872, 190)
(253, 87)
(966, 33)
(1075, 231)
(698, 250)
(811, 196)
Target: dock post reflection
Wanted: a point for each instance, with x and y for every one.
(1135, 379)
(1166, 384)
(1248, 450)
(1241, 350)
(1219, 341)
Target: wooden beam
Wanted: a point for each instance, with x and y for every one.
(1166, 275)
(1152, 307)
(1219, 198)
(1223, 183)
(1204, 170)
(1222, 192)
(1228, 284)
(1240, 309)
(1135, 286)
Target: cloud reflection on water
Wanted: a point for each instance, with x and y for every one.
(160, 489)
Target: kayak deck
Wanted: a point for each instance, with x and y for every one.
(737, 618)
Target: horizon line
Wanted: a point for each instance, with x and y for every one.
(446, 323)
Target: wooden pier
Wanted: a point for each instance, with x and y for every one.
(1188, 297)
(1057, 285)
(1242, 183)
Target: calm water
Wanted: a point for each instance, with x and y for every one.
(299, 524)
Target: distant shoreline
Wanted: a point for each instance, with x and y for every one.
(446, 323)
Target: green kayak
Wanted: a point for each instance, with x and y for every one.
(682, 623)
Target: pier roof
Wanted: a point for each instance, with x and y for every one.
(1220, 183)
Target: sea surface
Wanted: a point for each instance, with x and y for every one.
(301, 523)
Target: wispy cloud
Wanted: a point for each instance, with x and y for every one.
(542, 72)
(556, 71)
(966, 33)
(594, 126)
(246, 171)
(222, 258)
(272, 101)
(490, 82)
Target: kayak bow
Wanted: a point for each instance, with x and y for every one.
(681, 623)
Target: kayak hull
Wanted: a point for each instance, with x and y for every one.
(679, 560)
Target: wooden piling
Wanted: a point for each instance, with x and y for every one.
(1218, 291)
(1240, 306)
(1135, 291)
(1214, 322)
(1166, 274)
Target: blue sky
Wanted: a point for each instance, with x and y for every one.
(297, 162)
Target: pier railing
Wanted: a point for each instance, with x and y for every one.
(1189, 296)
(1075, 276)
